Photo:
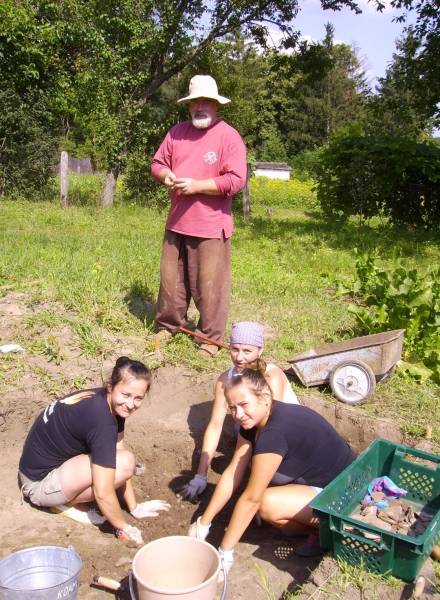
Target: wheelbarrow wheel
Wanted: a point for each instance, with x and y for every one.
(352, 382)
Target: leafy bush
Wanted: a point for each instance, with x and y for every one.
(305, 164)
(28, 145)
(374, 175)
(139, 185)
(401, 298)
(33, 83)
(285, 194)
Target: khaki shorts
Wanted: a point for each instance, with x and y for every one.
(46, 492)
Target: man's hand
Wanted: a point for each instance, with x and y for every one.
(186, 185)
(150, 508)
(169, 180)
(192, 490)
(199, 531)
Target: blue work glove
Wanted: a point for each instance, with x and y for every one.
(193, 489)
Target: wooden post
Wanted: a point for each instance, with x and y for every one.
(64, 181)
(108, 191)
(246, 197)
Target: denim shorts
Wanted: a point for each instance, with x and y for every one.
(46, 492)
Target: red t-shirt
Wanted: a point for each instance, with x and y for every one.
(215, 153)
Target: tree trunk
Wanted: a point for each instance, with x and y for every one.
(108, 191)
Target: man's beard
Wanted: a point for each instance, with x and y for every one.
(201, 122)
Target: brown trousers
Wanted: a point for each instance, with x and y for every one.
(199, 268)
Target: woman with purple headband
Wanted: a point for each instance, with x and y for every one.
(246, 347)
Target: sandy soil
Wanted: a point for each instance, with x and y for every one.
(165, 435)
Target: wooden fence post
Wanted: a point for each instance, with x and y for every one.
(64, 181)
(246, 196)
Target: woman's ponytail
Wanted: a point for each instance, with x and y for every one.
(261, 366)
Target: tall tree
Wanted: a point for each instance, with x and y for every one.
(398, 108)
(324, 89)
(33, 75)
(243, 72)
(417, 63)
(130, 48)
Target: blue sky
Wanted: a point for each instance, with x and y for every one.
(372, 33)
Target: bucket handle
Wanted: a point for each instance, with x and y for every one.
(225, 583)
(225, 580)
(130, 585)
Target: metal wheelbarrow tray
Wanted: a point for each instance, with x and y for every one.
(351, 367)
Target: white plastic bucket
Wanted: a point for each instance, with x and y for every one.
(40, 573)
(176, 568)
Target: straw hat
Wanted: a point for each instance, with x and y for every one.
(204, 86)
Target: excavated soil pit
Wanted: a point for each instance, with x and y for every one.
(165, 435)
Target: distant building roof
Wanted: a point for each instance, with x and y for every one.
(273, 165)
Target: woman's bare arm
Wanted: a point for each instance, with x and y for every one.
(214, 429)
(264, 466)
(230, 480)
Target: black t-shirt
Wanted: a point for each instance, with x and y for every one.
(80, 423)
(310, 447)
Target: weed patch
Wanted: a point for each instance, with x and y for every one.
(48, 347)
(398, 297)
(91, 341)
(277, 193)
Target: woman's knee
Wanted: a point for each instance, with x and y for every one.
(281, 503)
(268, 506)
(125, 463)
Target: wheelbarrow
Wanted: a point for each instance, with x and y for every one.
(351, 367)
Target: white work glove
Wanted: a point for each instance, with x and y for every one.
(150, 508)
(199, 531)
(194, 488)
(227, 559)
(134, 534)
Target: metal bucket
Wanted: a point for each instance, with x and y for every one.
(177, 568)
(40, 573)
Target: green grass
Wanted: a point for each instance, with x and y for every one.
(49, 347)
(102, 265)
(343, 582)
(83, 190)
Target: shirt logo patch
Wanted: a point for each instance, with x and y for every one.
(210, 157)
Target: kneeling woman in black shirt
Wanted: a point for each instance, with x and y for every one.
(294, 453)
(74, 452)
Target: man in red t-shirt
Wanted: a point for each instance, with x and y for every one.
(203, 163)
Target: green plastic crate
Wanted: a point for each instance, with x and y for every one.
(417, 472)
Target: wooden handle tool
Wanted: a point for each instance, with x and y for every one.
(203, 338)
(106, 582)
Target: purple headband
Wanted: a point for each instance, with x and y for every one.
(247, 332)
